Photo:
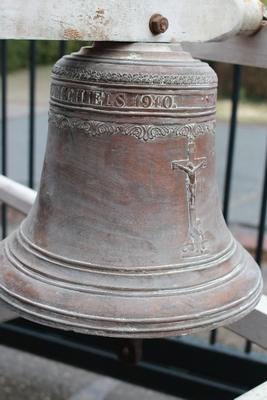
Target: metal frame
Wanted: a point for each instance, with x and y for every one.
(238, 50)
(126, 20)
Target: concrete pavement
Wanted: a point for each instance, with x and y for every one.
(27, 377)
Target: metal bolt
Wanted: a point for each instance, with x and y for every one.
(158, 24)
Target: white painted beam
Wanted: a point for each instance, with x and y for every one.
(259, 393)
(254, 326)
(128, 20)
(21, 198)
(250, 51)
(16, 195)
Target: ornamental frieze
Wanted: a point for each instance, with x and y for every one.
(81, 73)
(93, 128)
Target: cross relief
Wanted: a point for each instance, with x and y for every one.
(191, 167)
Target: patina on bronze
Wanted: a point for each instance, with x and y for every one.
(126, 237)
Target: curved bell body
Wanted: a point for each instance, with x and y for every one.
(126, 237)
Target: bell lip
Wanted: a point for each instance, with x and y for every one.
(130, 332)
(193, 321)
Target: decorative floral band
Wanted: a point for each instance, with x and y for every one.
(143, 132)
(81, 73)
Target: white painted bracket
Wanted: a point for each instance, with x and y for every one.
(242, 50)
(15, 195)
(128, 20)
(254, 326)
(259, 393)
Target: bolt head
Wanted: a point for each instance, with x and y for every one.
(158, 24)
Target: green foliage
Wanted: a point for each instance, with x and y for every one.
(47, 52)
(254, 82)
(17, 51)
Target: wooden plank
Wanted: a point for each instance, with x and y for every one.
(127, 20)
(250, 51)
(259, 393)
(254, 326)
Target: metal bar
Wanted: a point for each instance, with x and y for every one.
(213, 336)
(232, 139)
(62, 48)
(32, 61)
(230, 154)
(262, 224)
(4, 128)
(261, 234)
(254, 325)
(241, 50)
(14, 194)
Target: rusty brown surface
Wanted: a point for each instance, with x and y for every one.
(126, 237)
(72, 34)
(158, 24)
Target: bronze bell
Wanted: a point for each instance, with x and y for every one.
(126, 237)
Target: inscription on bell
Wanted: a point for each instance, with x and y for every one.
(127, 100)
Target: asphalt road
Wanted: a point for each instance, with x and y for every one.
(248, 165)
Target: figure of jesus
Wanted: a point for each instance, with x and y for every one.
(195, 243)
(191, 171)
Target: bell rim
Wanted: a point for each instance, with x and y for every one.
(132, 332)
(133, 328)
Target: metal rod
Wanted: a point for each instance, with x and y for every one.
(32, 71)
(261, 233)
(62, 48)
(4, 127)
(237, 72)
(17, 196)
(262, 224)
(237, 69)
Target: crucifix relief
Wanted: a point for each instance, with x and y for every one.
(191, 167)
